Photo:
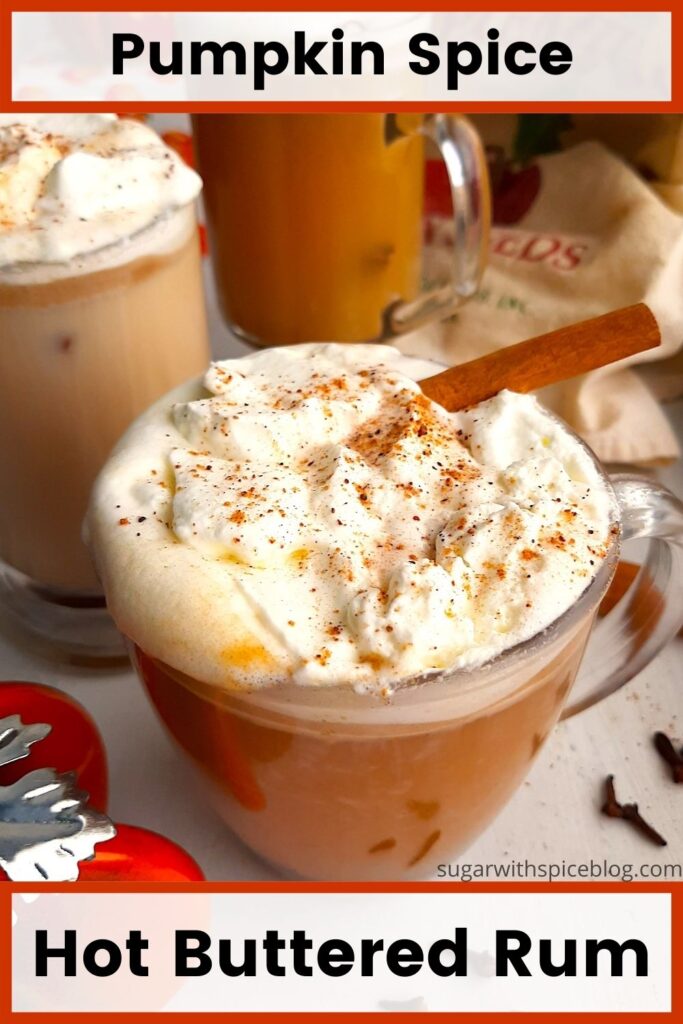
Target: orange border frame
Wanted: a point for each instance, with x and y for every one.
(675, 891)
(8, 7)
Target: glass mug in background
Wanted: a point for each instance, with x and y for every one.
(315, 221)
(81, 355)
(329, 784)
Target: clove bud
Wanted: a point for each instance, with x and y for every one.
(629, 812)
(668, 752)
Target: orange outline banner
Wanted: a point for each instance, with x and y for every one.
(675, 890)
(675, 104)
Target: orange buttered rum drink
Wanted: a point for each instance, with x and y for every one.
(358, 614)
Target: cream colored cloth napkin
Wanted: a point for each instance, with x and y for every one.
(594, 238)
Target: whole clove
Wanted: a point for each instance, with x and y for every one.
(668, 753)
(629, 812)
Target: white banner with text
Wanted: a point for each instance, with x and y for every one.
(558, 56)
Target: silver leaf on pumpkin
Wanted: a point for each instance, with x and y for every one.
(17, 738)
(46, 827)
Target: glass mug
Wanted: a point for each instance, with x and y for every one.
(315, 221)
(82, 354)
(328, 784)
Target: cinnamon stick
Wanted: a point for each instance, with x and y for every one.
(547, 359)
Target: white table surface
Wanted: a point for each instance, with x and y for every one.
(553, 817)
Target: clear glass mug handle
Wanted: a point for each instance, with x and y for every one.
(463, 154)
(651, 612)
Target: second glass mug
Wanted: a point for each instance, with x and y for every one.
(315, 221)
(333, 785)
(85, 346)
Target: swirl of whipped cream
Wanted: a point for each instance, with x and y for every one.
(309, 515)
(71, 184)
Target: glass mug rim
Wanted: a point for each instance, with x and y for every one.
(340, 702)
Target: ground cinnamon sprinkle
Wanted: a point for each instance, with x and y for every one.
(462, 472)
(405, 518)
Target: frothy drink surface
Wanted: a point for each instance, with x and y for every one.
(309, 516)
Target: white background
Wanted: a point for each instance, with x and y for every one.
(424, 917)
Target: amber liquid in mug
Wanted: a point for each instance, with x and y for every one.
(80, 358)
(314, 222)
(353, 801)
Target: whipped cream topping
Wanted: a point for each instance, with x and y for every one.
(310, 515)
(72, 184)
